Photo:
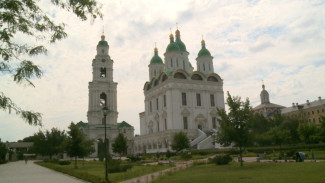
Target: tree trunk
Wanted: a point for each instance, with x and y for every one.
(241, 156)
(75, 162)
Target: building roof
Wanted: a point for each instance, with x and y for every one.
(268, 105)
(82, 124)
(307, 105)
(123, 124)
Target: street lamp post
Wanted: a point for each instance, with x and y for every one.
(105, 111)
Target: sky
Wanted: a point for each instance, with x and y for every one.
(279, 42)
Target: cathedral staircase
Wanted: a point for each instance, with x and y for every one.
(204, 140)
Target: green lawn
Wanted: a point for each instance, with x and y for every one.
(251, 172)
(94, 171)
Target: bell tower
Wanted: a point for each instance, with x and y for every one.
(102, 88)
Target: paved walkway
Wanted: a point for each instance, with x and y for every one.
(18, 172)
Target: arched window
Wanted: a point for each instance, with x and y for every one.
(102, 100)
(196, 77)
(179, 76)
(199, 127)
(177, 62)
(212, 78)
(103, 72)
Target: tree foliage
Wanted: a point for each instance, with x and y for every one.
(235, 126)
(120, 144)
(279, 136)
(48, 143)
(77, 145)
(308, 133)
(25, 18)
(3, 151)
(180, 141)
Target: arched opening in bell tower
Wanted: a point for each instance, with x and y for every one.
(103, 100)
(103, 72)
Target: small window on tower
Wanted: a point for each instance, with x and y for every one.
(103, 72)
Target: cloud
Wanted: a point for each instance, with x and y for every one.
(261, 46)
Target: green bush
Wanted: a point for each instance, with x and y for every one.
(64, 162)
(133, 158)
(115, 166)
(221, 159)
(186, 156)
(169, 154)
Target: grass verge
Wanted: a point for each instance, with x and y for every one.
(250, 172)
(94, 171)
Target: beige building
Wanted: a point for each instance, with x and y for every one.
(266, 108)
(308, 112)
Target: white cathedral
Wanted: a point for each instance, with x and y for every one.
(176, 99)
(179, 99)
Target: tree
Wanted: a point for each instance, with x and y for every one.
(308, 133)
(279, 136)
(322, 128)
(77, 145)
(55, 139)
(120, 144)
(24, 17)
(234, 126)
(291, 124)
(3, 151)
(180, 141)
(48, 143)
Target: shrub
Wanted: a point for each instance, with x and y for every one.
(186, 156)
(64, 162)
(222, 159)
(169, 154)
(133, 158)
(115, 166)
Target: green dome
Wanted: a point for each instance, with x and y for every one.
(172, 47)
(156, 60)
(181, 45)
(102, 43)
(204, 52)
